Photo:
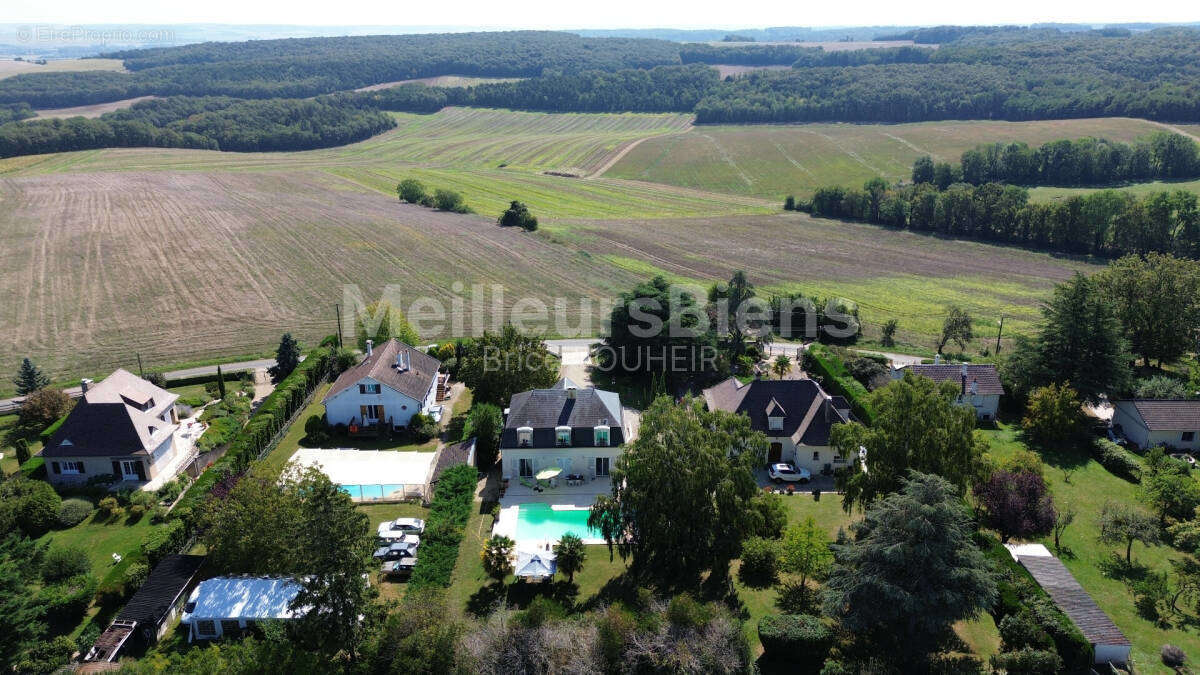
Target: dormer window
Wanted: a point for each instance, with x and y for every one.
(372, 388)
(524, 436)
(562, 436)
(601, 435)
(775, 423)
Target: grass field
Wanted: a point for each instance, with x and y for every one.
(184, 255)
(94, 110)
(8, 68)
(1049, 194)
(441, 81)
(772, 161)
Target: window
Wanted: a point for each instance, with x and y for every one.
(230, 626)
(775, 423)
(73, 467)
(368, 388)
(838, 459)
(602, 466)
(526, 468)
(1188, 436)
(816, 456)
(371, 413)
(524, 436)
(562, 436)
(206, 627)
(602, 436)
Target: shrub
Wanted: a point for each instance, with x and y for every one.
(819, 360)
(1020, 631)
(449, 200)
(686, 612)
(448, 515)
(411, 190)
(541, 610)
(136, 575)
(109, 506)
(789, 635)
(74, 511)
(423, 427)
(163, 541)
(760, 562)
(1119, 461)
(64, 562)
(34, 504)
(316, 432)
(771, 515)
(159, 514)
(1028, 662)
(1172, 656)
(66, 601)
(518, 215)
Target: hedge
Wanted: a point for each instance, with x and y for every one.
(163, 541)
(448, 515)
(49, 431)
(1119, 461)
(795, 635)
(205, 379)
(837, 379)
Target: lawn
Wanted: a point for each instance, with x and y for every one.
(101, 538)
(1080, 482)
(8, 434)
(390, 590)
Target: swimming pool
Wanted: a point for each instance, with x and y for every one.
(544, 523)
(373, 492)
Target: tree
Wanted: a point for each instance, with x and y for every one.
(498, 365)
(419, 636)
(518, 215)
(1162, 387)
(287, 357)
(495, 557)
(708, 459)
(956, 327)
(221, 379)
(29, 378)
(1168, 488)
(1054, 416)
(1157, 302)
(21, 446)
(1016, 504)
(1079, 342)
(391, 324)
(569, 554)
(45, 406)
(735, 319)
(412, 191)
(20, 613)
(887, 335)
(29, 505)
(485, 423)
(910, 573)
(1062, 520)
(922, 171)
(805, 552)
(650, 323)
(917, 427)
(449, 200)
(1122, 524)
(782, 366)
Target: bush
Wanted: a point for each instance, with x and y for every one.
(760, 562)
(792, 635)
(163, 541)
(66, 601)
(109, 506)
(423, 427)
(171, 490)
(448, 515)
(1119, 461)
(449, 200)
(73, 512)
(411, 190)
(1020, 630)
(1172, 656)
(64, 562)
(1028, 662)
(34, 505)
(316, 431)
(136, 575)
(771, 515)
(518, 215)
(685, 611)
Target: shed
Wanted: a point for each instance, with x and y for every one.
(1109, 644)
(149, 613)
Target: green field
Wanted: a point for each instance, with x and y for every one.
(1049, 194)
(220, 253)
(772, 161)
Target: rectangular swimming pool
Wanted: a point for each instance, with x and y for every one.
(542, 522)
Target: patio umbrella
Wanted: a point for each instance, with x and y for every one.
(547, 474)
(534, 565)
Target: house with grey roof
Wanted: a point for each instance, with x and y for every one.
(795, 415)
(1168, 422)
(394, 382)
(978, 383)
(124, 427)
(577, 429)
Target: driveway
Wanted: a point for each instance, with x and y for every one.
(818, 482)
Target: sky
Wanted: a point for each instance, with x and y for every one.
(560, 14)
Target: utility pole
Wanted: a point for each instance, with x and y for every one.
(140, 373)
(999, 333)
(338, 308)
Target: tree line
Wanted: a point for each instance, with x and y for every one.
(1106, 223)
(798, 55)
(1085, 161)
(209, 123)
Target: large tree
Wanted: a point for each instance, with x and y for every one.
(484, 423)
(1016, 504)
(498, 365)
(43, 407)
(1123, 524)
(681, 493)
(287, 357)
(380, 322)
(29, 378)
(1079, 341)
(910, 573)
(1157, 301)
(956, 327)
(1054, 416)
(652, 323)
(734, 316)
(917, 427)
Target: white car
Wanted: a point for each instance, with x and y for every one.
(781, 473)
(400, 528)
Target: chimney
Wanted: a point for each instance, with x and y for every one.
(84, 384)
(402, 359)
(827, 406)
(963, 377)
(974, 387)
(937, 359)
(570, 392)
(370, 346)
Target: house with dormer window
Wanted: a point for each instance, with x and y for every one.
(796, 416)
(577, 429)
(394, 382)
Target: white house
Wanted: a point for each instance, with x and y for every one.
(979, 384)
(394, 382)
(228, 605)
(795, 415)
(1171, 422)
(579, 430)
(124, 426)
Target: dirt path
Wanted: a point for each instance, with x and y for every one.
(625, 151)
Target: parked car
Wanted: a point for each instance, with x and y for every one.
(396, 551)
(392, 529)
(786, 473)
(435, 411)
(402, 566)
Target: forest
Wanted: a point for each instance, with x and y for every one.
(1108, 223)
(1079, 162)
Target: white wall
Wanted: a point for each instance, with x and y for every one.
(1135, 430)
(346, 404)
(578, 460)
(985, 405)
(802, 455)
